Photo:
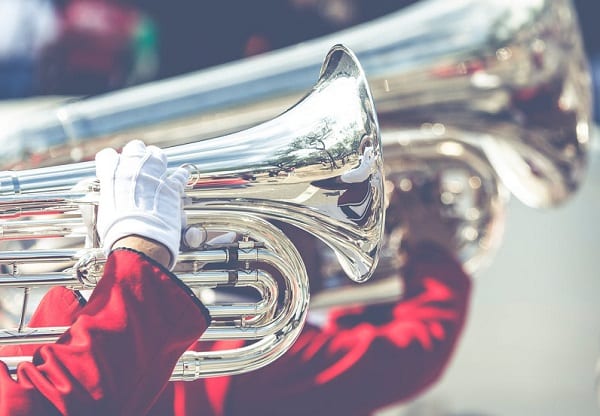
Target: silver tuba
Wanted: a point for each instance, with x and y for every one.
(507, 77)
(298, 168)
(504, 80)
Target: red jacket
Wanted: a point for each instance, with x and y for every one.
(120, 351)
(361, 360)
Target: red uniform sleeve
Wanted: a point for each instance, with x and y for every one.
(119, 353)
(366, 359)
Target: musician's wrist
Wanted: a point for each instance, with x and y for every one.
(151, 248)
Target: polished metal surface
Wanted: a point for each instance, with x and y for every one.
(512, 73)
(317, 166)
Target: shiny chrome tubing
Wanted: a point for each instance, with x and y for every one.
(270, 327)
(511, 72)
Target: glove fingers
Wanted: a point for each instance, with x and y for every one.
(178, 179)
(159, 155)
(154, 162)
(106, 162)
(135, 148)
(141, 196)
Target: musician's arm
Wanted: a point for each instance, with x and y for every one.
(363, 361)
(120, 351)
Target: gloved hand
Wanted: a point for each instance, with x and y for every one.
(138, 197)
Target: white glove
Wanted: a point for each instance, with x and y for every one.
(137, 196)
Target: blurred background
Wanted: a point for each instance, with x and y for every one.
(533, 336)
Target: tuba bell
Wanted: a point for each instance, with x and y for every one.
(298, 168)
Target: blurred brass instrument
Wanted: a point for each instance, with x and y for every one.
(277, 170)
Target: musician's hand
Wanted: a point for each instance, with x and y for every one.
(138, 197)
